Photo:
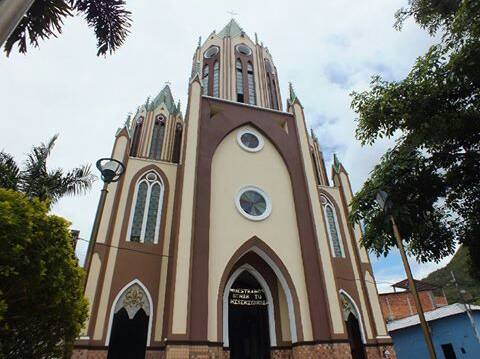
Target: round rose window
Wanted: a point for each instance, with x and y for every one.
(250, 140)
(253, 203)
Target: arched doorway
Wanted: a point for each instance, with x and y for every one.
(130, 324)
(353, 325)
(248, 319)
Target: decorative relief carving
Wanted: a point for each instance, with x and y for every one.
(133, 299)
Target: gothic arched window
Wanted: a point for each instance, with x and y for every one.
(216, 70)
(136, 137)
(332, 227)
(158, 134)
(271, 85)
(205, 80)
(177, 144)
(251, 85)
(239, 79)
(146, 210)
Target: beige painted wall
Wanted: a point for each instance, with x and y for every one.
(377, 311)
(134, 166)
(347, 190)
(335, 193)
(180, 302)
(232, 169)
(323, 244)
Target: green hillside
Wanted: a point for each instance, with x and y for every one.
(459, 266)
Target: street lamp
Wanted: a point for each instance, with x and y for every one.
(386, 204)
(110, 171)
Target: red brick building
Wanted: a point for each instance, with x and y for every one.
(398, 305)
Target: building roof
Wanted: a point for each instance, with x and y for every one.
(164, 97)
(232, 29)
(443, 312)
(421, 285)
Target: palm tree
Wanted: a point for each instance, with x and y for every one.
(44, 18)
(35, 180)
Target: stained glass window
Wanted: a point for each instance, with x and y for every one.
(216, 68)
(253, 203)
(239, 79)
(136, 137)
(158, 134)
(250, 140)
(332, 228)
(137, 220)
(205, 80)
(177, 145)
(146, 218)
(251, 85)
(152, 213)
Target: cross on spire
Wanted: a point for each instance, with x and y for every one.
(232, 13)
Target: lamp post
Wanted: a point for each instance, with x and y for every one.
(385, 204)
(111, 170)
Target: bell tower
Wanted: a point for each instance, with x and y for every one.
(225, 237)
(235, 68)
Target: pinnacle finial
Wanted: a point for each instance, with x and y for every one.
(199, 41)
(293, 96)
(336, 163)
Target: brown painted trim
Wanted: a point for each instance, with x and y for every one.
(173, 252)
(229, 268)
(146, 247)
(357, 258)
(319, 306)
(103, 251)
(229, 116)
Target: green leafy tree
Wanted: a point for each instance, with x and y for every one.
(35, 180)
(433, 172)
(109, 19)
(42, 308)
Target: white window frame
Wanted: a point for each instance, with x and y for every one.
(337, 227)
(268, 209)
(252, 132)
(147, 206)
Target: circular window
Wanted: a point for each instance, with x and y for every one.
(244, 49)
(250, 140)
(151, 177)
(253, 203)
(211, 52)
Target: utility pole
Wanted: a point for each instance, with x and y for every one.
(467, 307)
(413, 289)
(11, 12)
(383, 200)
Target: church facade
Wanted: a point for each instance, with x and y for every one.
(225, 237)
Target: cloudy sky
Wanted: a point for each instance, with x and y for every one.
(325, 48)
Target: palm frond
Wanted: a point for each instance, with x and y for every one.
(42, 20)
(77, 181)
(109, 19)
(9, 172)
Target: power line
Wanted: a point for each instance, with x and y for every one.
(126, 249)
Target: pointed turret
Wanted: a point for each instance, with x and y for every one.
(164, 97)
(232, 29)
